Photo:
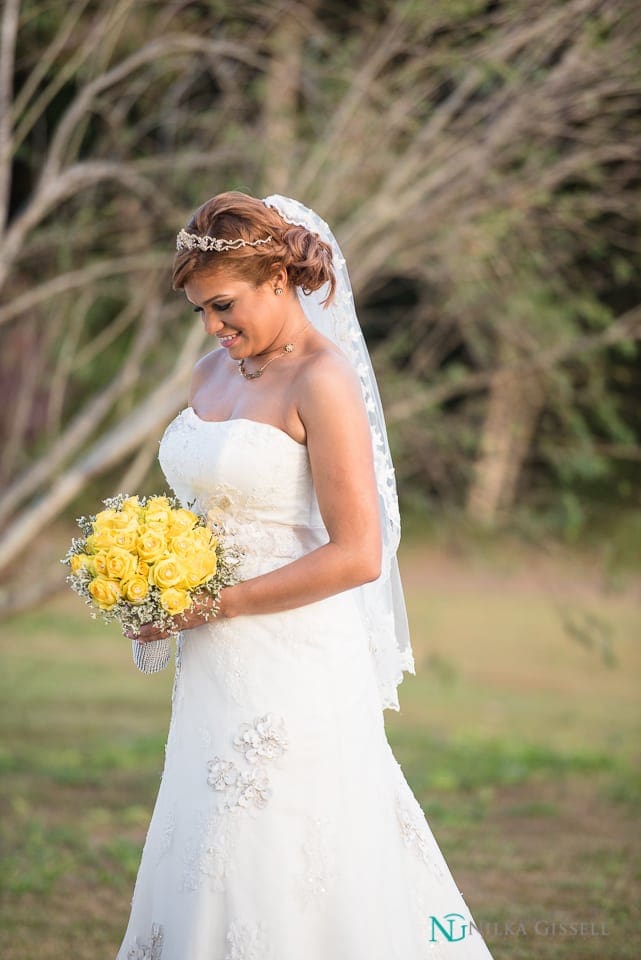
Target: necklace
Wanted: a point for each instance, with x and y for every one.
(287, 348)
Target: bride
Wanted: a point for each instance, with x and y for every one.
(284, 827)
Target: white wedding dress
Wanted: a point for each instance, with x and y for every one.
(284, 828)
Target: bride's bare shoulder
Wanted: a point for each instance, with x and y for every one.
(205, 368)
(327, 362)
(328, 378)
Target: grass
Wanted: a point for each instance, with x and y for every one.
(519, 739)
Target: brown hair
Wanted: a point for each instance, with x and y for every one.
(230, 215)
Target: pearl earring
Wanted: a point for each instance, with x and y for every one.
(278, 291)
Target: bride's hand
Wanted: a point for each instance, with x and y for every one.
(195, 616)
(148, 632)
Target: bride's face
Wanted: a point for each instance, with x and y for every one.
(246, 319)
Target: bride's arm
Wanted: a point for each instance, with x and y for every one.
(340, 450)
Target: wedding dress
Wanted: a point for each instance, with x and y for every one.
(284, 828)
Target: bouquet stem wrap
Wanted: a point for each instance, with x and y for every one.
(151, 657)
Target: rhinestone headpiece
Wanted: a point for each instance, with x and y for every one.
(191, 241)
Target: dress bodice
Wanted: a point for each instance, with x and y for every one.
(250, 477)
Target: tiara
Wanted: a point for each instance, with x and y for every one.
(191, 241)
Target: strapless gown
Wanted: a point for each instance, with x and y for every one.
(284, 828)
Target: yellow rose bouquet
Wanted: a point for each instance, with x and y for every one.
(146, 560)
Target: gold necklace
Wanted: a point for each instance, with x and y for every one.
(287, 348)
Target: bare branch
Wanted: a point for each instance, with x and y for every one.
(77, 279)
(626, 328)
(106, 451)
(9, 28)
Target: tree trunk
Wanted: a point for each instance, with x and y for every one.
(514, 404)
(280, 107)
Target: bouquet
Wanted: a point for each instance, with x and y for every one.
(147, 560)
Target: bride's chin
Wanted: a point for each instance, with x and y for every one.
(237, 353)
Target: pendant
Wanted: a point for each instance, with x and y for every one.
(249, 376)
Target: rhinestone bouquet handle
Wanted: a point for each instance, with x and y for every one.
(151, 657)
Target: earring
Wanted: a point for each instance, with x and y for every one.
(278, 291)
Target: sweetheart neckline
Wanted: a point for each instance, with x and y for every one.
(260, 423)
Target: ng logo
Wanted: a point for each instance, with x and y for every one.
(453, 923)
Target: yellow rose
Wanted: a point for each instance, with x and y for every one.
(126, 540)
(124, 520)
(169, 572)
(181, 521)
(109, 524)
(100, 562)
(158, 512)
(120, 563)
(204, 538)
(105, 592)
(133, 506)
(104, 518)
(158, 501)
(143, 568)
(199, 568)
(151, 544)
(101, 539)
(174, 600)
(79, 561)
(182, 545)
(135, 589)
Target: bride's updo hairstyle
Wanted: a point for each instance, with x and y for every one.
(236, 216)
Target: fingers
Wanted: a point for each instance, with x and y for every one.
(145, 636)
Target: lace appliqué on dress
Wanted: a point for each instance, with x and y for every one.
(167, 834)
(229, 657)
(233, 514)
(176, 691)
(207, 858)
(263, 740)
(414, 829)
(417, 838)
(151, 950)
(260, 742)
(247, 943)
(319, 848)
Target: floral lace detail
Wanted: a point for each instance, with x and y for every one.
(264, 739)
(247, 943)
(228, 654)
(205, 735)
(176, 692)
(244, 521)
(253, 786)
(167, 834)
(319, 848)
(222, 774)
(151, 950)
(208, 859)
(415, 831)
(261, 741)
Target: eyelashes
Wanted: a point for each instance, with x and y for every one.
(219, 307)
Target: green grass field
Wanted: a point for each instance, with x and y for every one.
(519, 736)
